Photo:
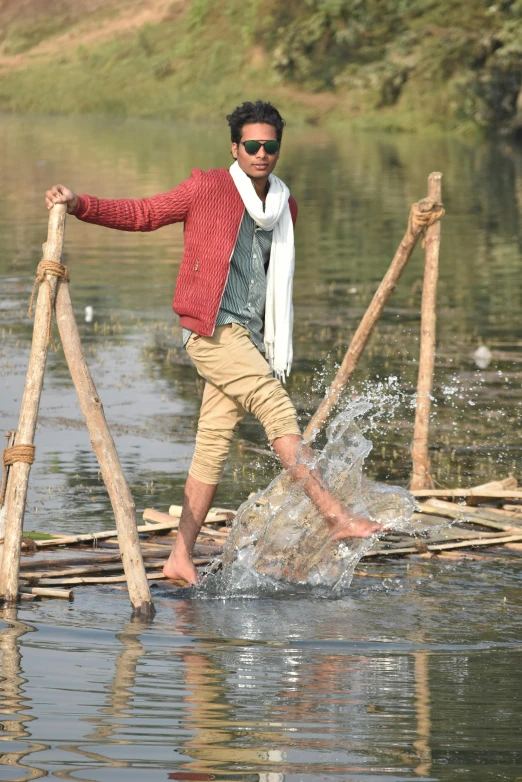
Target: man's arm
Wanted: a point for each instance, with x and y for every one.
(144, 214)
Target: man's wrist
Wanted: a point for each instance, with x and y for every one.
(72, 205)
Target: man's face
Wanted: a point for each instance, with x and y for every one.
(260, 165)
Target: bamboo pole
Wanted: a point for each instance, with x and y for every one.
(370, 318)
(421, 477)
(61, 594)
(505, 484)
(19, 472)
(36, 576)
(3, 509)
(485, 517)
(466, 493)
(104, 448)
(214, 514)
(93, 537)
(490, 541)
(151, 576)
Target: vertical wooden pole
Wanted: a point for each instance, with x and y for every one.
(104, 448)
(421, 477)
(19, 477)
(3, 508)
(420, 210)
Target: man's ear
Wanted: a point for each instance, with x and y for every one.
(234, 150)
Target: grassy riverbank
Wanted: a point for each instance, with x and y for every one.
(390, 65)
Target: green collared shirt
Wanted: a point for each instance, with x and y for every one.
(244, 296)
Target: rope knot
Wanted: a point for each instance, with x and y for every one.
(15, 453)
(425, 213)
(56, 269)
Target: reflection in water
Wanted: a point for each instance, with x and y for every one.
(253, 690)
(309, 720)
(423, 708)
(14, 701)
(209, 720)
(119, 706)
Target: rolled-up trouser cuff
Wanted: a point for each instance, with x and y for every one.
(282, 428)
(200, 475)
(210, 455)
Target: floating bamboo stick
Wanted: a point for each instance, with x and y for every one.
(482, 516)
(492, 489)
(164, 520)
(63, 594)
(93, 537)
(19, 477)
(214, 514)
(115, 567)
(503, 485)
(68, 561)
(506, 484)
(370, 318)
(421, 478)
(78, 580)
(105, 450)
(88, 569)
(463, 493)
(490, 541)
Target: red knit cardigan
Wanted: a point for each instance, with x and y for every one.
(210, 206)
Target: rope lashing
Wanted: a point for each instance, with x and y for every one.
(425, 218)
(56, 269)
(15, 453)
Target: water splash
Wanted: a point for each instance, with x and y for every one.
(279, 538)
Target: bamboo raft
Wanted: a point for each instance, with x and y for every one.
(439, 525)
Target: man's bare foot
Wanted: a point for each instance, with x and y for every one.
(180, 567)
(345, 525)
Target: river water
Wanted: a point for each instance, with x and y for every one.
(415, 672)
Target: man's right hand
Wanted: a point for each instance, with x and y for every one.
(59, 194)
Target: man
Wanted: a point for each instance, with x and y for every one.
(234, 299)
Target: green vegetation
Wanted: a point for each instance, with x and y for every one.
(38, 536)
(452, 65)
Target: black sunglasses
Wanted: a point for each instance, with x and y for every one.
(253, 147)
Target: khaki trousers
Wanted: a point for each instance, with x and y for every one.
(238, 381)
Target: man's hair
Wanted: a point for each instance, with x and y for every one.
(248, 113)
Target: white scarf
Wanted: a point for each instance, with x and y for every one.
(279, 310)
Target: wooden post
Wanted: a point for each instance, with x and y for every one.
(3, 508)
(420, 216)
(421, 477)
(103, 446)
(19, 477)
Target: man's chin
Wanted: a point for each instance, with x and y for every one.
(256, 174)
